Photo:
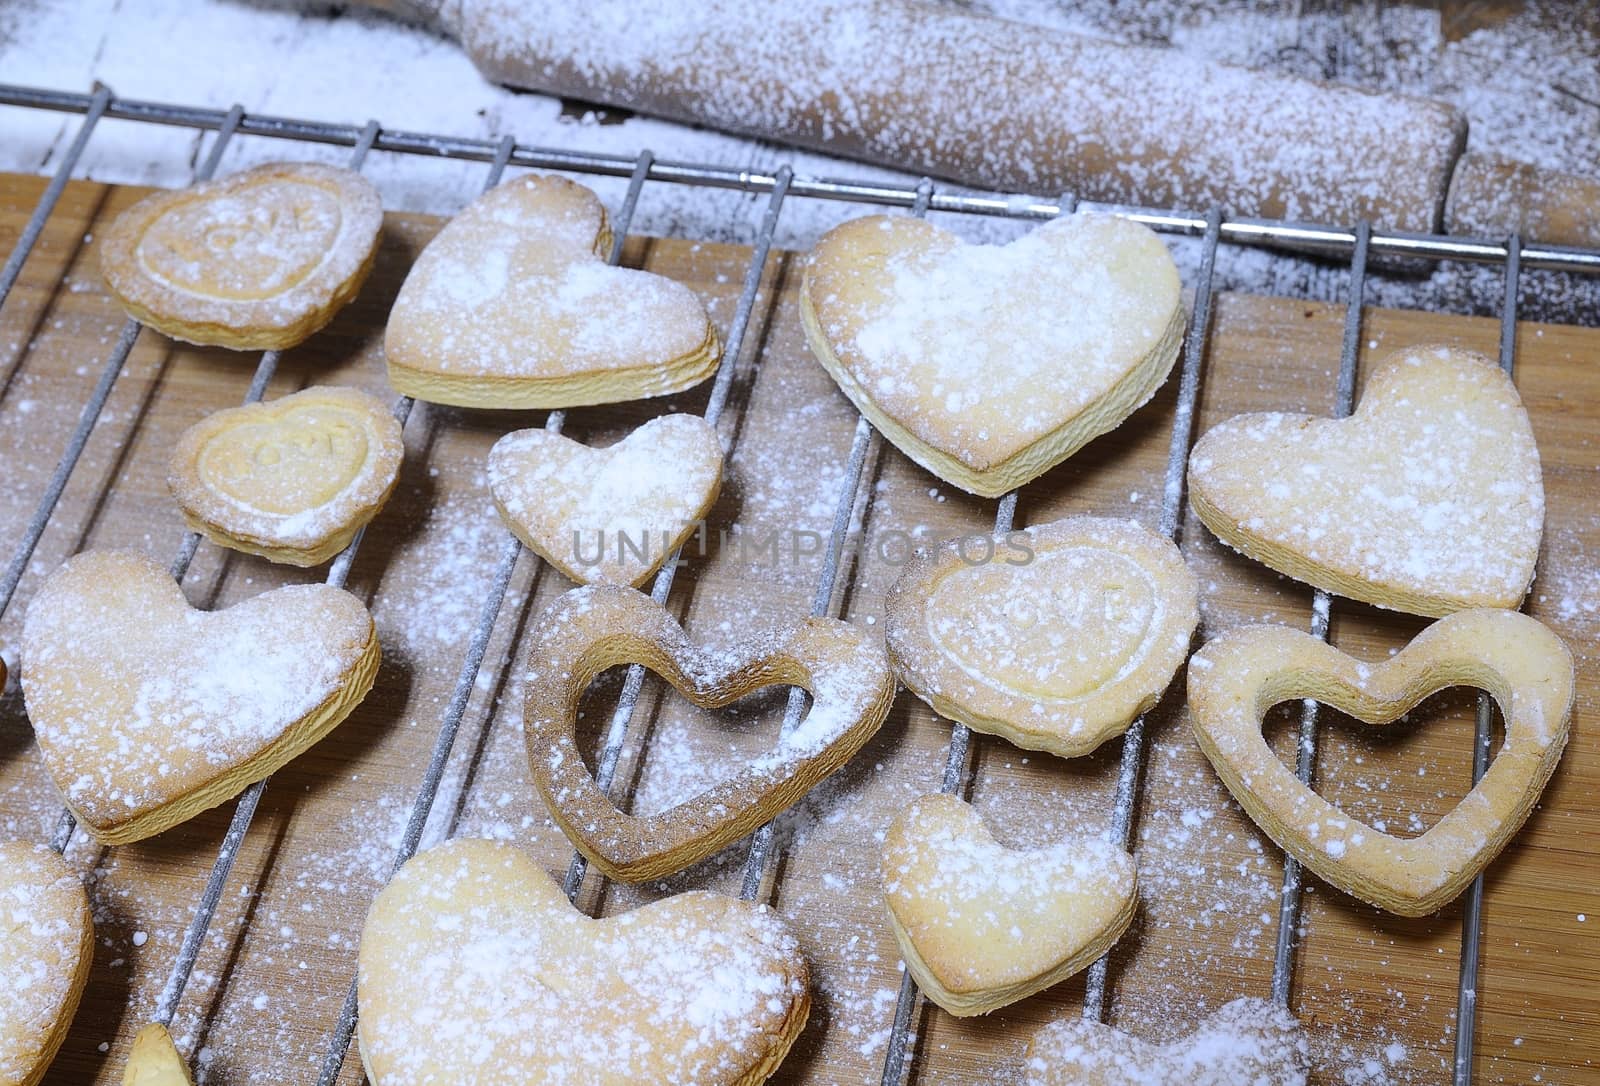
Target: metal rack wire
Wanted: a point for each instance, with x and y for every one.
(1213, 228)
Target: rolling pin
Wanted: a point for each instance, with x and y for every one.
(934, 89)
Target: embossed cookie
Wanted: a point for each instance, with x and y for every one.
(1055, 637)
(1241, 674)
(148, 711)
(990, 365)
(588, 630)
(259, 260)
(1429, 499)
(981, 925)
(1250, 1041)
(608, 514)
(46, 948)
(292, 480)
(474, 968)
(512, 305)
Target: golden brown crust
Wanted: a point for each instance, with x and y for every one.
(590, 629)
(512, 305)
(148, 711)
(988, 366)
(697, 988)
(1238, 676)
(49, 941)
(257, 261)
(1054, 638)
(982, 926)
(292, 480)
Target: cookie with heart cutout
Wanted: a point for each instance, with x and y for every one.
(981, 925)
(989, 365)
(474, 967)
(1429, 499)
(613, 514)
(46, 949)
(292, 480)
(590, 629)
(148, 711)
(256, 261)
(1241, 674)
(1249, 1040)
(1054, 637)
(512, 305)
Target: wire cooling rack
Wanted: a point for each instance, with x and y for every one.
(1358, 244)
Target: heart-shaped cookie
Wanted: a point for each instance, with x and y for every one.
(511, 305)
(46, 948)
(1249, 1042)
(256, 261)
(988, 365)
(1055, 637)
(475, 968)
(154, 1060)
(1240, 675)
(588, 630)
(981, 925)
(611, 514)
(1429, 499)
(148, 711)
(292, 480)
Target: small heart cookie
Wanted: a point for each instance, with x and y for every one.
(474, 968)
(1241, 674)
(981, 925)
(292, 480)
(512, 305)
(1055, 637)
(46, 948)
(588, 630)
(611, 514)
(989, 365)
(154, 1060)
(1248, 1041)
(256, 261)
(1429, 499)
(148, 711)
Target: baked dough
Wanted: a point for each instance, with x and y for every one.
(989, 365)
(1238, 676)
(474, 968)
(612, 514)
(1252, 1041)
(588, 630)
(46, 949)
(292, 480)
(154, 1060)
(256, 261)
(512, 305)
(980, 925)
(148, 711)
(1429, 499)
(1055, 637)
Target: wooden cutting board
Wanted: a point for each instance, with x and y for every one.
(1376, 992)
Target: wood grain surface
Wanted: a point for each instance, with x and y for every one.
(1376, 992)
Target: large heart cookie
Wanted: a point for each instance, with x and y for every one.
(608, 514)
(989, 365)
(512, 305)
(1249, 1042)
(474, 968)
(591, 629)
(1428, 500)
(981, 925)
(292, 480)
(148, 711)
(259, 260)
(1238, 676)
(46, 948)
(1055, 637)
